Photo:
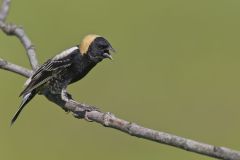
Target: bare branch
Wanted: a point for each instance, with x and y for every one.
(109, 120)
(17, 31)
(4, 10)
(15, 68)
(106, 119)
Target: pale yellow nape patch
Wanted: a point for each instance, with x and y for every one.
(86, 42)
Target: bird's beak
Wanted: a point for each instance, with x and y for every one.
(107, 55)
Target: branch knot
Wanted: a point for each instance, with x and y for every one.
(8, 28)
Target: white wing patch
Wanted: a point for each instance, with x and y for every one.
(65, 53)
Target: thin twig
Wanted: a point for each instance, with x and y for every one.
(11, 29)
(15, 68)
(4, 10)
(107, 119)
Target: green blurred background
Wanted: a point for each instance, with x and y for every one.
(176, 70)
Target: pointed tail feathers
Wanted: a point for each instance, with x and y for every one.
(26, 98)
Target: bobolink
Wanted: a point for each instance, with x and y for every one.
(65, 68)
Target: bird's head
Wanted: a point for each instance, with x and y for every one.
(96, 47)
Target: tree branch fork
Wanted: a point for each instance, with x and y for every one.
(106, 119)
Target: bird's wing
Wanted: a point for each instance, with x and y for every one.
(47, 71)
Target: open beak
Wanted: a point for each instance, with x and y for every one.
(107, 55)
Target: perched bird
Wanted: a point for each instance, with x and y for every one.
(65, 68)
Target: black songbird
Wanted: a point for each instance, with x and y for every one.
(65, 68)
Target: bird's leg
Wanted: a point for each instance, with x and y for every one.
(81, 109)
(64, 95)
(65, 100)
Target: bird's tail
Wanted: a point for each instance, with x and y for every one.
(26, 98)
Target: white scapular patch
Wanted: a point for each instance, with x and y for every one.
(65, 53)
